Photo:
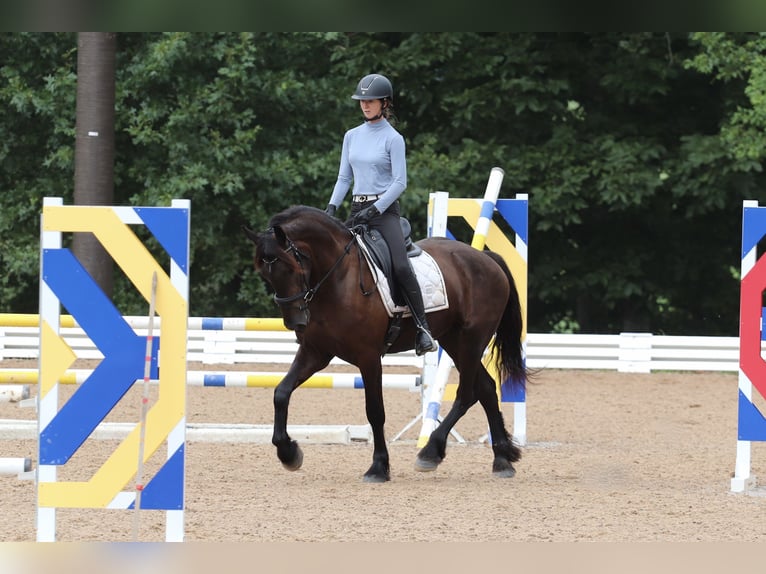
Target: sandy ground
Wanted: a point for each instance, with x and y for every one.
(609, 457)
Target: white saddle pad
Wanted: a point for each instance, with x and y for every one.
(429, 278)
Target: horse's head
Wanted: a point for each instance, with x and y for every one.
(285, 268)
(284, 258)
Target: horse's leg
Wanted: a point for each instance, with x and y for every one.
(432, 454)
(372, 375)
(506, 453)
(305, 364)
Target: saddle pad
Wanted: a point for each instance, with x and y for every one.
(429, 278)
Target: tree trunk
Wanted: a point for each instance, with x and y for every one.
(94, 145)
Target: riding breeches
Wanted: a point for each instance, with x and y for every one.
(388, 225)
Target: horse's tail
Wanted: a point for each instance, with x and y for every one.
(507, 346)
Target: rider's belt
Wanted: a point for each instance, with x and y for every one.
(363, 198)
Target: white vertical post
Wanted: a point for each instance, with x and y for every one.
(520, 408)
(742, 479)
(47, 407)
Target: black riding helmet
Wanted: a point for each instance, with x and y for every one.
(374, 87)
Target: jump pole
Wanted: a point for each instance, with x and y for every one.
(231, 433)
(14, 465)
(10, 466)
(141, 322)
(13, 393)
(252, 379)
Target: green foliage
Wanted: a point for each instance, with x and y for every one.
(738, 59)
(230, 122)
(636, 150)
(37, 95)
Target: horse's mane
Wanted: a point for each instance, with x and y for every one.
(305, 212)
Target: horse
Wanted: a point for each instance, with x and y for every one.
(324, 288)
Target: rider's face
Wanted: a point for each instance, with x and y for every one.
(371, 108)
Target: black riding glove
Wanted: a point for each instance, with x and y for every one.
(330, 210)
(366, 215)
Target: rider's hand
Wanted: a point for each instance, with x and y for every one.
(366, 215)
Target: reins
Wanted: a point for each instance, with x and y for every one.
(308, 294)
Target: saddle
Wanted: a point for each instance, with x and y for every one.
(381, 255)
(426, 271)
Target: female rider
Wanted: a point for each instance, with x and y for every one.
(373, 156)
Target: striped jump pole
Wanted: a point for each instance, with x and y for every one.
(751, 423)
(193, 323)
(491, 194)
(252, 379)
(64, 282)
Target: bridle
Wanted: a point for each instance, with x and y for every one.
(308, 293)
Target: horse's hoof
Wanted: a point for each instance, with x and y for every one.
(376, 478)
(296, 462)
(426, 465)
(503, 470)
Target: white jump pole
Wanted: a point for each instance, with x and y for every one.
(13, 393)
(433, 400)
(17, 466)
(11, 466)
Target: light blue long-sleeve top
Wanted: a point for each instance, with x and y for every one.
(373, 157)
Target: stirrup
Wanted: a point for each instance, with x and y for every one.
(424, 342)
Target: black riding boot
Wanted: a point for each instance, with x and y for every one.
(424, 342)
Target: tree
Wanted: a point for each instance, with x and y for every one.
(94, 147)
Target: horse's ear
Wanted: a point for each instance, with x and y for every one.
(251, 235)
(280, 236)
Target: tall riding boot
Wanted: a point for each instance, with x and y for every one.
(424, 342)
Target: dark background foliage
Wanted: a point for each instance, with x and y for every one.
(636, 150)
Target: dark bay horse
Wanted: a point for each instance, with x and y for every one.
(326, 294)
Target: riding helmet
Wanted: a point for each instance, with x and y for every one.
(374, 87)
